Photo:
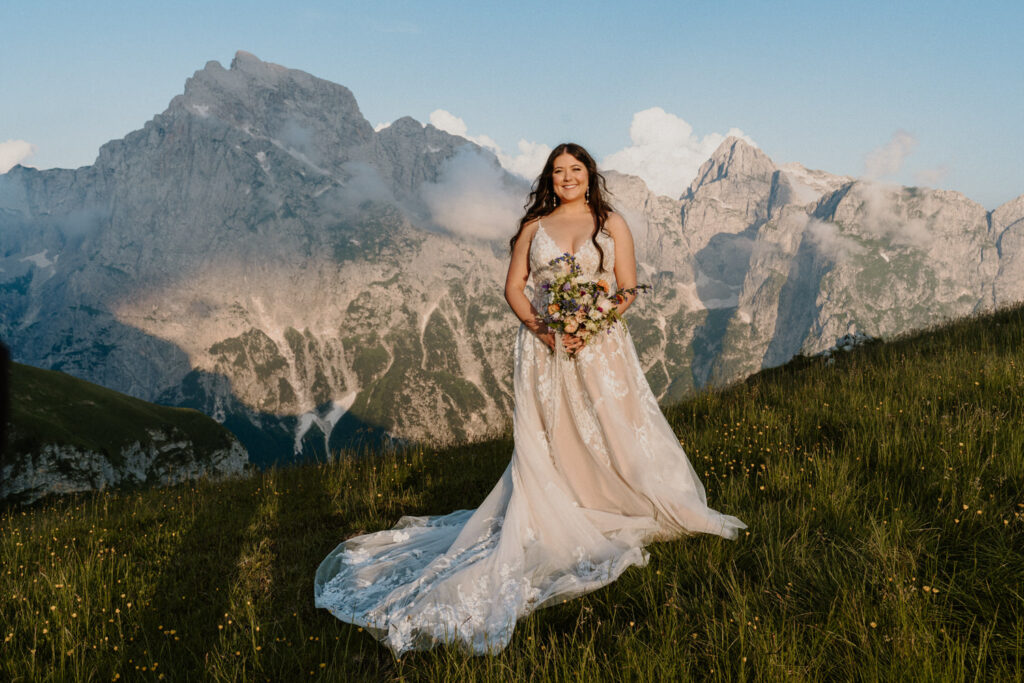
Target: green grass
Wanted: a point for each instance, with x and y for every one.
(884, 497)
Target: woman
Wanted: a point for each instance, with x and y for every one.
(596, 472)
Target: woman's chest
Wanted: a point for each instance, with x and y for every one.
(592, 258)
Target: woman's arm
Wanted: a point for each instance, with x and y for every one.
(515, 284)
(625, 257)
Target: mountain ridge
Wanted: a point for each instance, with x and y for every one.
(265, 256)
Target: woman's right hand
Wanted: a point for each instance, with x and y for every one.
(548, 337)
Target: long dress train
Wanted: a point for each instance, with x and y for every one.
(596, 473)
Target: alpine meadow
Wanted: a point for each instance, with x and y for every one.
(884, 493)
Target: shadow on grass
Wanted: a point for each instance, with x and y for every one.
(191, 590)
(308, 527)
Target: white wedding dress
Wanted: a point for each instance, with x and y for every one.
(596, 473)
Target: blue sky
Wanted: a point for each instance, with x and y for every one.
(939, 85)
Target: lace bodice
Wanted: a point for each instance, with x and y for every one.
(544, 249)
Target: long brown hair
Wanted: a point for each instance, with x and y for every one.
(543, 200)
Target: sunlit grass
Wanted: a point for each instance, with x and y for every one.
(884, 497)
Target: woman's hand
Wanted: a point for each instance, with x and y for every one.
(571, 343)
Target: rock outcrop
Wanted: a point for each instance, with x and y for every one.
(55, 469)
(67, 435)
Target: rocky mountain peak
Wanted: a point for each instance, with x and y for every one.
(247, 67)
(1010, 212)
(249, 63)
(808, 185)
(266, 99)
(735, 159)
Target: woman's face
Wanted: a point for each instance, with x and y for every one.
(569, 177)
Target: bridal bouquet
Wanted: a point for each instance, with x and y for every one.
(579, 306)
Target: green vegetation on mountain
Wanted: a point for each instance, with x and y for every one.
(884, 496)
(49, 407)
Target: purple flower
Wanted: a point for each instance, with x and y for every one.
(566, 287)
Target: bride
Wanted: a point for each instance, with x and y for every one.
(596, 472)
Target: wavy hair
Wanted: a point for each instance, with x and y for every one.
(543, 200)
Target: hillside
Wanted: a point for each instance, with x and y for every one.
(884, 496)
(67, 435)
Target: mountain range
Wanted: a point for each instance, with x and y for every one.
(259, 252)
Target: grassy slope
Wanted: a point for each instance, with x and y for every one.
(885, 498)
(53, 407)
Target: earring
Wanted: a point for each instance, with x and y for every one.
(588, 196)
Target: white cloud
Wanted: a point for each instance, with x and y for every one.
(881, 215)
(472, 197)
(13, 152)
(665, 152)
(527, 163)
(530, 160)
(450, 123)
(888, 159)
(830, 242)
(884, 218)
(381, 126)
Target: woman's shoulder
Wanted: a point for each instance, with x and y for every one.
(529, 229)
(615, 225)
(525, 235)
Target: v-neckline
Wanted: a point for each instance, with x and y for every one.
(540, 226)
